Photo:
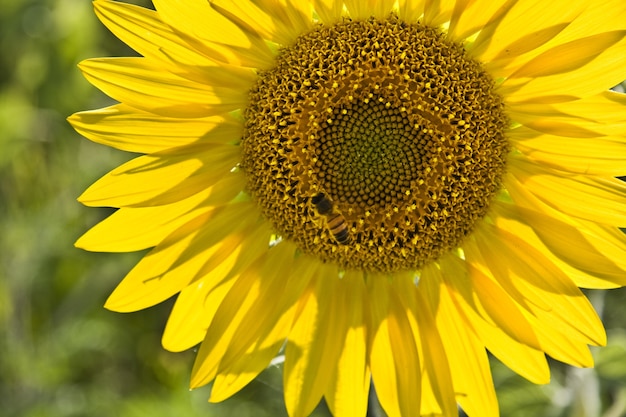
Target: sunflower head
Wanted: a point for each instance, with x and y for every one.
(380, 191)
(394, 124)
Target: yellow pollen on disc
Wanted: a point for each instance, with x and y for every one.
(376, 145)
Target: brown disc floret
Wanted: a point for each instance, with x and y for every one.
(394, 124)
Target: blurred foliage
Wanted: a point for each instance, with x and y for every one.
(64, 355)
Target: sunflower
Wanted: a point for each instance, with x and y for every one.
(382, 190)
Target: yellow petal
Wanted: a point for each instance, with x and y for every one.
(143, 30)
(131, 130)
(329, 11)
(566, 127)
(597, 75)
(437, 12)
(364, 9)
(347, 393)
(257, 25)
(485, 296)
(197, 304)
(172, 265)
(247, 366)
(563, 346)
(583, 19)
(465, 352)
(148, 282)
(568, 240)
(572, 194)
(291, 18)
(135, 228)
(595, 116)
(528, 362)
(228, 318)
(525, 360)
(522, 272)
(224, 39)
(226, 76)
(606, 239)
(569, 56)
(394, 359)
(437, 391)
(523, 25)
(162, 179)
(603, 109)
(411, 10)
(191, 16)
(513, 222)
(470, 16)
(251, 19)
(132, 229)
(141, 83)
(597, 156)
(266, 325)
(276, 295)
(312, 349)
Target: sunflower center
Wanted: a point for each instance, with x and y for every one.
(367, 155)
(374, 144)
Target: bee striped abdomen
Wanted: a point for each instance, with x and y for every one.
(339, 228)
(335, 222)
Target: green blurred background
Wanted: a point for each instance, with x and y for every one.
(61, 353)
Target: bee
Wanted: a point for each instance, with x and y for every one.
(335, 222)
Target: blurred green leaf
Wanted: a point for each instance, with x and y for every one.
(611, 360)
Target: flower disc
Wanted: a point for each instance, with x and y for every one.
(392, 126)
